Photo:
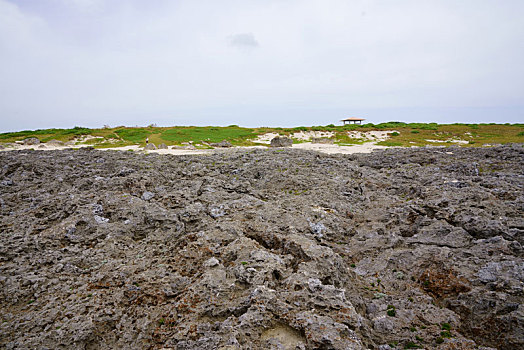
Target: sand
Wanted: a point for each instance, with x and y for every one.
(324, 148)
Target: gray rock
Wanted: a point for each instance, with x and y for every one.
(258, 248)
(147, 195)
(383, 324)
(31, 141)
(222, 144)
(318, 229)
(281, 141)
(6, 182)
(162, 146)
(150, 147)
(384, 347)
(100, 219)
(211, 262)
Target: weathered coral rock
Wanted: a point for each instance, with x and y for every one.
(281, 141)
(262, 249)
(31, 141)
(222, 144)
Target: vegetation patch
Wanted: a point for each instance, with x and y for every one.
(46, 134)
(405, 134)
(135, 135)
(391, 311)
(389, 143)
(234, 134)
(412, 345)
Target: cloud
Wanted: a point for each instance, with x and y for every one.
(96, 62)
(243, 41)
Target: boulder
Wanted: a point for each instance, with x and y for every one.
(162, 146)
(281, 141)
(222, 144)
(150, 147)
(31, 141)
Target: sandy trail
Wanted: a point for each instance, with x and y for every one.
(324, 148)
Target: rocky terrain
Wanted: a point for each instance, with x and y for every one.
(262, 249)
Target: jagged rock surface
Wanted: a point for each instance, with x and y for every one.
(262, 249)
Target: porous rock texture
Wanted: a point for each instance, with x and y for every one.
(262, 249)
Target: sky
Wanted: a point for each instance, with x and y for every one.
(66, 63)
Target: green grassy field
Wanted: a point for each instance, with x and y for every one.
(406, 134)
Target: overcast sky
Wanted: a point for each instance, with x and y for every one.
(259, 62)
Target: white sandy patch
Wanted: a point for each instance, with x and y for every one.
(324, 148)
(308, 135)
(266, 138)
(41, 146)
(333, 149)
(374, 135)
(449, 140)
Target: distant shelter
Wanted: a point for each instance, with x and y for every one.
(352, 121)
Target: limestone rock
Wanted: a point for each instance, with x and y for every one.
(281, 141)
(222, 144)
(262, 248)
(147, 195)
(30, 141)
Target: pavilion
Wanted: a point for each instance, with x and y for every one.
(352, 120)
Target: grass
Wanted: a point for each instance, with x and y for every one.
(445, 334)
(135, 135)
(412, 345)
(234, 134)
(46, 134)
(390, 143)
(391, 311)
(446, 326)
(403, 134)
